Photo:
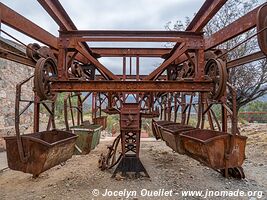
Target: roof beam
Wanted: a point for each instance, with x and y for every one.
(205, 14)
(241, 25)
(127, 33)
(25, 26)
(141, 52)
(58, 13)
(130, 39)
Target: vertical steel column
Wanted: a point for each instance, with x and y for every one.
(199, 71)
(124, 76)
(137, 68)
(94, 106)
(36, 114)
(183, 99)
(130, 66)
(169, 109)
(62, 59)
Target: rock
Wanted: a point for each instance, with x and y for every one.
(119, 177)
(164, 152)
(182, 169)
(43, 196)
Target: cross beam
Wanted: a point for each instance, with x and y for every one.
(132, 86)
(241, 25)
(141, 52)
(127, 33)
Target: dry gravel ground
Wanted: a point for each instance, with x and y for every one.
(168, 170)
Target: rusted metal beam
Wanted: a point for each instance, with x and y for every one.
(127, 33)
(234, 29)
(154, 74)
(141, 52)
(101, 68)
(246, 59)
(131, 86)
(9, 55)
(58, 13)
(161, 77)
(25, 26)
(205, 14)
(129, 39)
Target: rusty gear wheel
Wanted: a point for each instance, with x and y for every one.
(76, 70)
(47, 52)
(32, 51)
(215, 70)
(45, 70)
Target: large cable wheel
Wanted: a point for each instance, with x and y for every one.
(262, 24)
(215, 70)
(45, 70)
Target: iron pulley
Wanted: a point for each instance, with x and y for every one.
(45, 71)
(215, 70)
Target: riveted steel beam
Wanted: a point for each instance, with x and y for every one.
(131, 86)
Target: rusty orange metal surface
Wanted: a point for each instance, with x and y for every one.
(43, 150)
(212, 148)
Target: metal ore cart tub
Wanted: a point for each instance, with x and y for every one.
(156, 127)
(215, 149)
(37, 152)
(88, 137)
(171, 135)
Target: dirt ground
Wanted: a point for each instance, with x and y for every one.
(80, 176)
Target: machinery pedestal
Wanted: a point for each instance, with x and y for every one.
(130, 163)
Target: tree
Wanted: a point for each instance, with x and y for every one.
(250, 80)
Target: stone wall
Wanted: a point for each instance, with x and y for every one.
(12, 73)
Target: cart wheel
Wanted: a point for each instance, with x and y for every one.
(236, 172)
(113, 156)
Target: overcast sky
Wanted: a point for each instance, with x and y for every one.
(110, 14)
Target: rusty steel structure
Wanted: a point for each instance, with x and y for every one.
(191, 80)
